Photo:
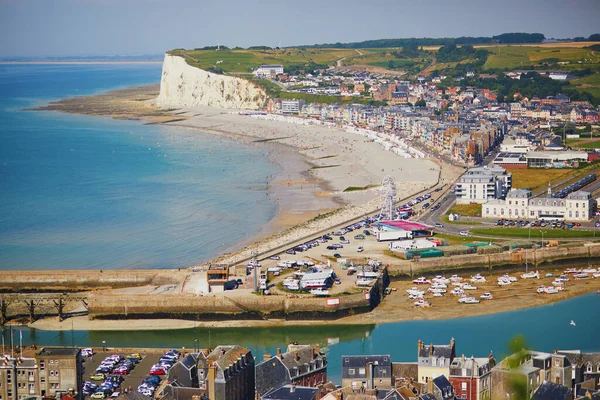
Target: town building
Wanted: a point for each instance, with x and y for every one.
(435, 360)
(521, 374)
(292, 392)
(217, 276)
(268, 71)
(292, 106)
(472, 377)
(60, 371)
(225, 373)
(441, 388)
(300, 365)
(519, 204)
(367, 372)
(479, 185)
(552, 391)
(560, 159)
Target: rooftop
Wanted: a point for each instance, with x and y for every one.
(60, 351)
(289, 392)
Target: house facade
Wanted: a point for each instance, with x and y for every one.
(367, 372)
(472, 377)
(479, 185)
(519, 204)
(300, 365)
(434, 360)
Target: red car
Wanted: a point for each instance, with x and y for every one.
(157, 371)
(121, 371)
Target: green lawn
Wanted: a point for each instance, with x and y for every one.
(468, 210)
(535, 233)
(456, 239)
(537, 178)
(584, 144)
(519, 56)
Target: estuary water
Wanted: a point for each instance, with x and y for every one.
(544, 328)
(82, 192)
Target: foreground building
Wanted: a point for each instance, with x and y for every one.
(519, 204)
(300, 365)
(479, 185)
(435, 360)
(367, 372)
(472, 377)
(50, 372)
(226, 373)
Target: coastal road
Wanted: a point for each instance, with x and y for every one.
(281, 249)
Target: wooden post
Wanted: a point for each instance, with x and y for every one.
(31, 305)
(3, 311)
(59, 305)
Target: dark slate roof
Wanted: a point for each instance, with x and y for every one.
(582, 393)
(427, 396)
(552, 391)
(442, 382)
(225, 356)
(438, 351)
(189, 361)
(286, 393)
(53, 351)
(361, 361)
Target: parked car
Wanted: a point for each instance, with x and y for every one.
(464, 233)
(438, 225)
(359, 237)
(360, 249)
(337, 255)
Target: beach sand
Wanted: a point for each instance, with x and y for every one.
(316, 163)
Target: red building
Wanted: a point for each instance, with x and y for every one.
(471, 378)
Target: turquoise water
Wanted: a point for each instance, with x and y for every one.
(545, 328)
(81, 192)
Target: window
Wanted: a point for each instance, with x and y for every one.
(51, 372)
(56, 373)
(351, 371)
(42, 365)
(42, 379)
(463, 386)
(361, 371)
(434, 362)
(589, 367)
(557, 363)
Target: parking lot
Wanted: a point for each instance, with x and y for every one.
(133, 379)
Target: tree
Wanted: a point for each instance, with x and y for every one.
(421, 103)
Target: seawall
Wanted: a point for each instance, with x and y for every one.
(183, 85)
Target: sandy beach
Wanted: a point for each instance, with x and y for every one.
(316, 163)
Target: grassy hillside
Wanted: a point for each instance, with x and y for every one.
(244, 61)
(522, 56)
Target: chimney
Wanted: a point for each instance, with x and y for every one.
(266, 356)
(421, 344)
(279, 353)
(431, 349)
(295, 354)
(292, 388)
(318, 348)
(452, 342)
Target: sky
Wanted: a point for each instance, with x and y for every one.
(41, 28)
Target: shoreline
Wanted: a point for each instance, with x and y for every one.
(380, 315)
(333, 159)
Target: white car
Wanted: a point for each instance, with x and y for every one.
(438, 225)
(87, 352)
(360, 249)
(464, 233)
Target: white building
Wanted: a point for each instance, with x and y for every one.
(479, 185)
(577, 206)
(291, 106)
(270, 71)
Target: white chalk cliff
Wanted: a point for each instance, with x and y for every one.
(182, 85)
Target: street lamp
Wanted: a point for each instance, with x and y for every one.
(104, 345)
(542, 232)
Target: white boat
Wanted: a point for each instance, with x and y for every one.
(596, 275)
(557, 283)
(589, 270)
(552, 290)
(531, 275)
(293, 286)
(274, 258)
(464, 298)
(438, 295)
(503, 282)
(572, 271)
(508, 278)
(364, 282)
(549, 275)
(455, 278)
(478, 279)
(422, 303)
(440, 280)
(299, 274)
(541, 289)
(421, 281)
(471, 300)
(439, 286)
(486, 296)
(415, 296)
(457, 292)
(367, 274)
(319, 292)
(581, 275)
(469, 287)
(415, 291)
(437, 290)
(562, 278)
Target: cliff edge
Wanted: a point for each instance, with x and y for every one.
(183, 85)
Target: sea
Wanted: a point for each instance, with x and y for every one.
(85, 192)
(542, 328)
